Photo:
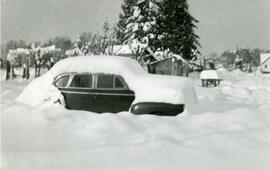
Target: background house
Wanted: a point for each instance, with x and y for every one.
(265, 62)
(168, 66)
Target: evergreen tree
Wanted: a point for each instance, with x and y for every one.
(143, 22)
(140, 26)
(127, 9)
(176, 27)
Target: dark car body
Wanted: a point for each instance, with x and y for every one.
(106, 93)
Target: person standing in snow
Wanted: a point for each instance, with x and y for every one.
(10, 64)
(26, 74)
(1, 62)
(51, 61)
(238, 62)
(37, 64)
(7, 70)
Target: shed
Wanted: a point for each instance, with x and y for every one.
(168, 66)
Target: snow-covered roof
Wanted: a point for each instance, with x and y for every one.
(19, 51)
(209, 74)
(147, 87)
(49, 49)
(12, 54)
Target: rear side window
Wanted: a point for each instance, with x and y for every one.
(82, 80)
(62, 82)
(105, 81)
(118, 83)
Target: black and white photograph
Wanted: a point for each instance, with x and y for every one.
(135, 85)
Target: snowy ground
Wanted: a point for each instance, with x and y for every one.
(230, 129)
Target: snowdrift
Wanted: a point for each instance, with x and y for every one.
(55, 138)
(147, 87)
(231, 130)
(209, 74)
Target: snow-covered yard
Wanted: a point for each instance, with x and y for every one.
(229, 129)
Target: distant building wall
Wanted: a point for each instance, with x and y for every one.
(265, 62)
(170, 66)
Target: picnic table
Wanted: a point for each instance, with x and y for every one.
(210, 78)
(208, 82)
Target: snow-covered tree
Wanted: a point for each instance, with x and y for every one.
(127, 12)
(64, 43)
(247, 56)
(176, 27)
(139, 24)
(89, 43)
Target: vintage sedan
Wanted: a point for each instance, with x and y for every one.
(107, 93)
(113, 84)
(95, 92)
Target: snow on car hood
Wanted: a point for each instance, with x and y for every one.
(147, 87)
(167, 89)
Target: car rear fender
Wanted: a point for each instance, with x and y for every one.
(161, 109)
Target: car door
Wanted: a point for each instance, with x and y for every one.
(112, 94)
(79, 93)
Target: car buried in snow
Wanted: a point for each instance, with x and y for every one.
(101, 92)
(114, 84)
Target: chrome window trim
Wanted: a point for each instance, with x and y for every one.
(114, 94)
(94, 81)
(97, 93)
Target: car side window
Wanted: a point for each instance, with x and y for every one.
(105, 81)
(62, 82)
(82, 81)
(118, 83)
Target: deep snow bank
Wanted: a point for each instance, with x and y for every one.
(254, 87)
(238, 89)
(237, 136)
(55, 138)
(147, 87)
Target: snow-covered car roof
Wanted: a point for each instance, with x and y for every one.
(98, 64)
(147, 87)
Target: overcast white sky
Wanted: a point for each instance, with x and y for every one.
(224, 24)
